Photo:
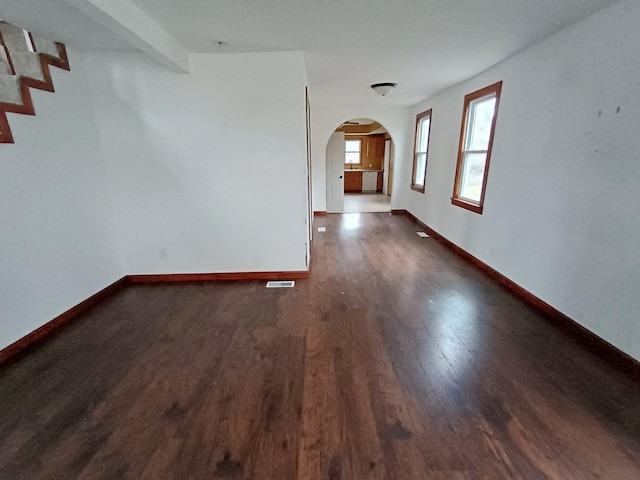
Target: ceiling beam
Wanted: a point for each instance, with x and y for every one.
(134, 26)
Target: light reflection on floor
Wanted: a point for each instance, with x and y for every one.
(454, 330)
(351, 221)
(461, 310)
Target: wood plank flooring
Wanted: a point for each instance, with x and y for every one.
(395, 361)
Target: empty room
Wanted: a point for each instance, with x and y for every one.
(319, 240)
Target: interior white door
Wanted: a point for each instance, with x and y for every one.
(385, 173)
(335, 173)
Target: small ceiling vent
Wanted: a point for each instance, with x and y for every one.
(281, 284)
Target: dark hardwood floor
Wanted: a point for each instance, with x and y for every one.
(396, 360)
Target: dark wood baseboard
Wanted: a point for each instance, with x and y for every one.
(209, 277)
(60, 321)
(320, 213)
(609, 353)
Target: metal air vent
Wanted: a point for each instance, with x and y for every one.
(281, 284)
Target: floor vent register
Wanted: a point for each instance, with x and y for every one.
(281, 284)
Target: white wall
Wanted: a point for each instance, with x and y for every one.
(561, 210)
(57, 245)
(207, 170)
(324, 121)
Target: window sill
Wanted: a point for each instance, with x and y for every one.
(472, 207)
(418, 188)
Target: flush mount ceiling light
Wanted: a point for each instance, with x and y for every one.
(383, 89)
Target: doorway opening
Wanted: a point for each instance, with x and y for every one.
(359, 167)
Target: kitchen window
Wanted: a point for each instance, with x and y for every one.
(476, 142)
(421, 151)
(353, 152)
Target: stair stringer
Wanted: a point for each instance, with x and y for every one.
(26, 83)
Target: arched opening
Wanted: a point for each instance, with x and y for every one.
(360, 161)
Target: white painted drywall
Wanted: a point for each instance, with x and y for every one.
(57, 245)
(561, 210)
(207, 170)
(324, 121)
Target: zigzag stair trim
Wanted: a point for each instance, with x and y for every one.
(26, 83)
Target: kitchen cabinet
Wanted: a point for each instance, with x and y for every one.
(372, 151)
(352, 181)
(375, 151)
(356, 181)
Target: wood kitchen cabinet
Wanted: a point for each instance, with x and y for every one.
(372, 151)
(352, 181)
(375, 151)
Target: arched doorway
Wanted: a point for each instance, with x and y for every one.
(359, 167)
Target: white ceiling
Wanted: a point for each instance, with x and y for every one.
(61, 22)
(423, 45)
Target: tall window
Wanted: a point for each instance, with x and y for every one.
(476, 141)
(352, 152)
(421, 151)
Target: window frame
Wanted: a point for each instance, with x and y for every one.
(494, 89)
(419, 118)
(353, 139)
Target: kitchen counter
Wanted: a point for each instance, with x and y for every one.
(361, 180)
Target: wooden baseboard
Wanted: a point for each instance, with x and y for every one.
(609, 353)
(320, 213)
(210, 277)
(60, 321)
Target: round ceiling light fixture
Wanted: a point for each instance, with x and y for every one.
(383, 89)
